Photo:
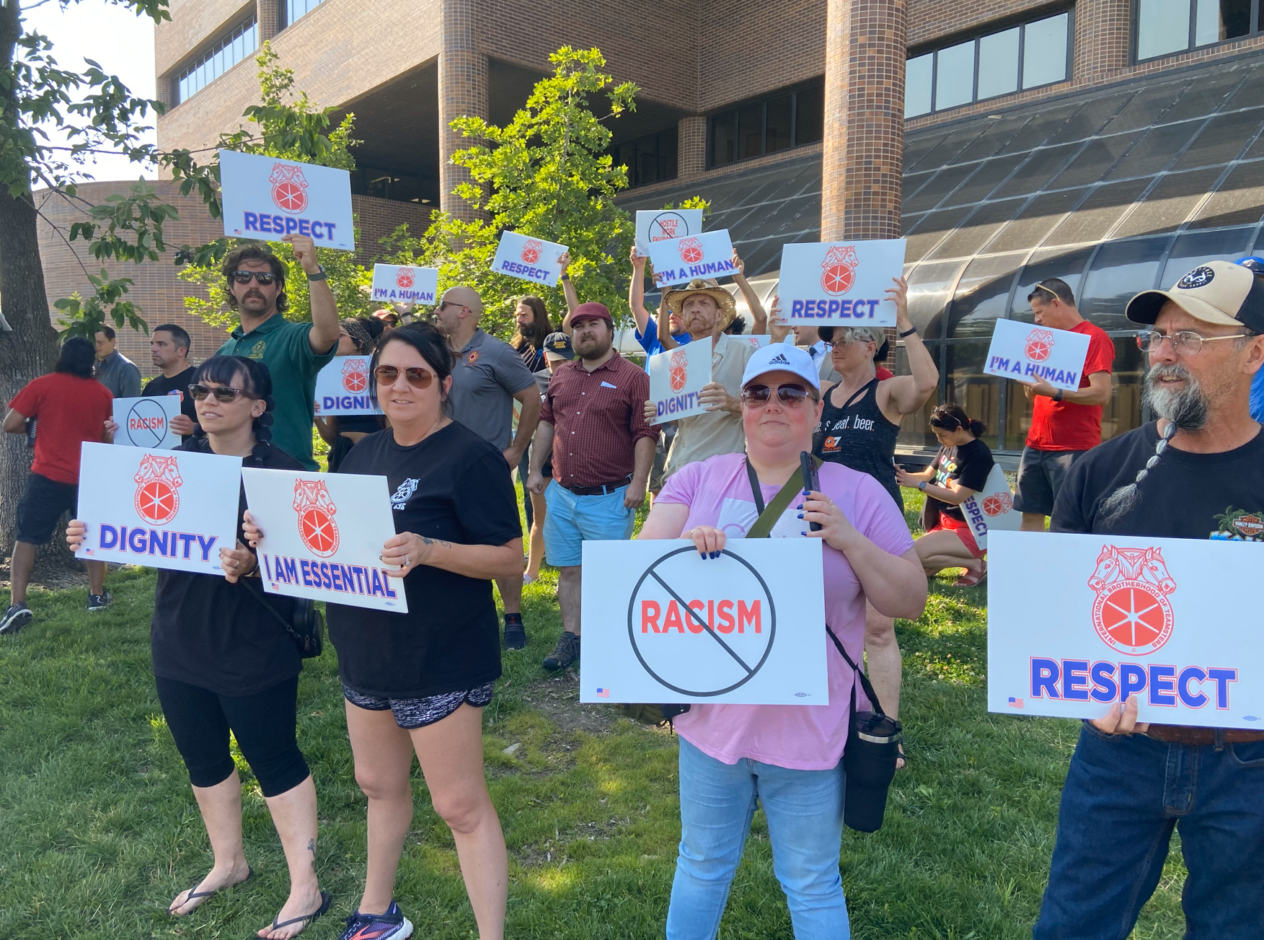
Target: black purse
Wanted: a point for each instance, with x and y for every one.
(305, 625)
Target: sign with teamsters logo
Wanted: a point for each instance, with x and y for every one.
(676, 377)
(532, 259)
(404, 284)
(146, 421)
(658, 225)
(323, 536)
(268, 198)
(342, 388)
(1026, 352)
(157, 508)
(993, 508)
(702, 256)
(1079, 622)
(840, 283)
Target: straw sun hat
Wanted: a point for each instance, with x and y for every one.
(674, 299)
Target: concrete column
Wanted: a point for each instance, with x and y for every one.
(863, 158)
(462, 92)
(691, 154)
(1101, 39)
(268, 13)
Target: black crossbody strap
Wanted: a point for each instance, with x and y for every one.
(864, 680)
(768, 515)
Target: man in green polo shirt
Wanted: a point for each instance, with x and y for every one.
(293, 352)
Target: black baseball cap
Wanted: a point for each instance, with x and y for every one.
(558, 346)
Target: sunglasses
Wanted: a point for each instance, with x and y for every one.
(222, 393)
(263, 277)
(786, 394)
(416, 376)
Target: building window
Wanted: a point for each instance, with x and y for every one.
(649, 159)
(788, 119)
(1168, 26)
(291, 10)
(999, 63)
(237, 45)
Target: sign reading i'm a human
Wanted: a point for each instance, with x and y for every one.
(703, 256)
(268, 198)
(404, 284)
(1026, 352)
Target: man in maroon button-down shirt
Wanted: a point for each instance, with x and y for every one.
(593, 424)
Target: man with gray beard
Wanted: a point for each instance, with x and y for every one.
(1131, 783)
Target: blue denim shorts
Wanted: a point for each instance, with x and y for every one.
(573, 519)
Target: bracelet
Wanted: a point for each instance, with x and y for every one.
(563, 277)
(922, 486)
(1057, 396)
(908, 332)
(319, 275)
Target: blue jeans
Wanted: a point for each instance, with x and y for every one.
(804, 809)
(1123, 796)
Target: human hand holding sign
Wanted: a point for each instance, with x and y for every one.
(183, 425)
(304, 251)
(1041, 387)
(898, 295)
(76, 532)
(406, 551)
(708, 539)
(250, 529)
(1121, 719)
(237, 562)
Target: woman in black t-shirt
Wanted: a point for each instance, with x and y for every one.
(959, 471)
(224, 662)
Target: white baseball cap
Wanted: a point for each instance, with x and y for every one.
(781, 357)
(1216, 292)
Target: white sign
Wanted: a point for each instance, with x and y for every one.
(402, 284)
(755, 341)
(1078, 622)
(146, 421)
(663, 625)
(657, 225)
(342, 388)
(268, 198)
(1026, 352)
(159, 509)
(992, 508)
(681, 260)
(323, 535)
(843, 283)
(676, 377)
(532, 259)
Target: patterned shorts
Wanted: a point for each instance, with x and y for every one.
(419, 712)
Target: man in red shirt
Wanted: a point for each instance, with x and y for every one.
(72, 407)
(1063, 424)
(593, 424)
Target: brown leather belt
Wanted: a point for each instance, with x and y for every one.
(1179, 734)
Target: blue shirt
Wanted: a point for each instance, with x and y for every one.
(650, 343)
(1257, 397)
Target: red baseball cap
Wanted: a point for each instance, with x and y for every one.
(592, 311)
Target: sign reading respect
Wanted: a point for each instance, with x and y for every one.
(993, 508)
(677, 376)
(268, 198)
(531, 259)
(844, 283)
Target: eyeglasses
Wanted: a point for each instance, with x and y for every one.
(263, 277)
(222, 393)
(416, 376)
(1186, 342)
(786, 394)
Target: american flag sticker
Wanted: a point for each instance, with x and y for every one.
(603, 693)
(1015, 702)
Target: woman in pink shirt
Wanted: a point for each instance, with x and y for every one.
(789, 757)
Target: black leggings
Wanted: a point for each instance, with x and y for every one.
(264, 725)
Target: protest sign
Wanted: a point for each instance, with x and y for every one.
(840, 282)
(991, 508)
(681, 260)
(1111, 616)
(663, 625)
(1027, 352)
(342, 388)
(323, 535)
(532, 259)
(146, 422)
(268, 198)
(159, 509)
(656, 225)
(402, 284)
(755, 342)
(676, 378)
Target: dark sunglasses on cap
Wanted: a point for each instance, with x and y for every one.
(222, 393)
(416, 376)
(786, 394)
(263, 277)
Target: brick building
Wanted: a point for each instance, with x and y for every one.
(1109, 142)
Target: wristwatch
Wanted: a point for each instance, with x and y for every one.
(922, 486)
(564, 277)
(1057, 396)
(908, 332)
(319, 275)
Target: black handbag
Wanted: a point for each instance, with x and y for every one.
(305, 625)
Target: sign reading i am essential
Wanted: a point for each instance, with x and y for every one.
(342, 388)
(323, 536)
(404, 284)
(146, 421)
(1112, 616)
(681, 260)
(268, 198)
(660, 225)
(840, 282)
(1026, 352)
(993, 508)
(531, 259)
(159, 509)
(677, 376)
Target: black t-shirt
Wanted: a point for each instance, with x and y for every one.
(452, 486)
(219, 636)
(968, 464)
(177, 384)
(1185, 495)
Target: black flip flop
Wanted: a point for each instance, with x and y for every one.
(194, 893)
(325, 900)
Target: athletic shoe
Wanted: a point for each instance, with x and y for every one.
(392, 925)
(515, 632)
(100, 601)
(565, 653)
(15, 618)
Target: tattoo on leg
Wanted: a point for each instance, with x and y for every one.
(311, 847)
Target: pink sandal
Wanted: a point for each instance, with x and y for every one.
(972, 578)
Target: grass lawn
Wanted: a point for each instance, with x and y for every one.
(100, 828)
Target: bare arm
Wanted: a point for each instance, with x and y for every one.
(14, 422)
(324, 332)
(906, 394)
(327, 428)
(758, 314)
(778, 328)
(636, 292)
(568, 290)
(642, 460)
(1097, 393)
(666, 521)
(663, 319)
(541, 449)
(529, 398)
(407, 550)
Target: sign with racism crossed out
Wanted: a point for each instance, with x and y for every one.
(676, 378)
(531, 259)
(323, 535)
(342, 388)
(1027, 352)
(663, 625)
(157, 508)
(703, 256)
(146, 422)
(658, 225)
(1079, 622)
(993, 508)
(840, 283)
(268, 198)
(404, 284)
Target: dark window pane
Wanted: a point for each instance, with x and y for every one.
(998, 64)
(723, 138)
(990, 174)
(1036, 221)
(1045, 51)
(982, 296)
(1238, 201)
(1218, 20)
(779, 112)
(1095, 216)
(625, 155)
(1120, 270)
(954, 76)
(978, 394)
(1145, 107)
(920, 145)
(928, 294)
(1094, 161)
(750, 131)
(1200, 247)
(917, 78)
(1123, 411)
(1155, 151)
(915, 429)
(1169, 203)
(1162, 27)
(934, 192)
(809, 115)
(1068, 265)
(1037, 171)
(930, 231)
(978, 229)
(1221, 140)
(668, 148)
(1089, 119)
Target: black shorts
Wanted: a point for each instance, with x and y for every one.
(42, 503)
(419, 712)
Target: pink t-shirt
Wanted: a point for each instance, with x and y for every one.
(799, 737)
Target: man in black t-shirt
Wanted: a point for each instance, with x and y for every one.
(169, 347)
(1130, 783)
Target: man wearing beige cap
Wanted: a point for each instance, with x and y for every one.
(1131, 783)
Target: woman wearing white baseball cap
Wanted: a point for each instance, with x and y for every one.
(787, 757)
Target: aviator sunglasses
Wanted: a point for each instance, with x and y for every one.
(416, 376)
(786, 394)
(222, 394)
(263, 277)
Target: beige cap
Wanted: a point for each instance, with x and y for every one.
(1216, 292)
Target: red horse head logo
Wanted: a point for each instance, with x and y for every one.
(1131, 611)
(158, 485)
(838, 269)
(531, 251)
(1039, 345)
(316, 510)
(690, 250)
(355, 375)
(289, 188)
(404, 278)
(679, 364)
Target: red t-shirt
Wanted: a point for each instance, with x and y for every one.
(1061, 425)
(71, 410)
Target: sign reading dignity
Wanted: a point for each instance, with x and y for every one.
(1027, 352)
(993, 508)
(160, 509)
(676, 378)
(1162, 619)
(657, 225)
(269, 198)
(402, 284)
(342, 388)
(146, 422)
(681, 260)
(323, 535)
(663, 625)
(532, 259)
(840, 282)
